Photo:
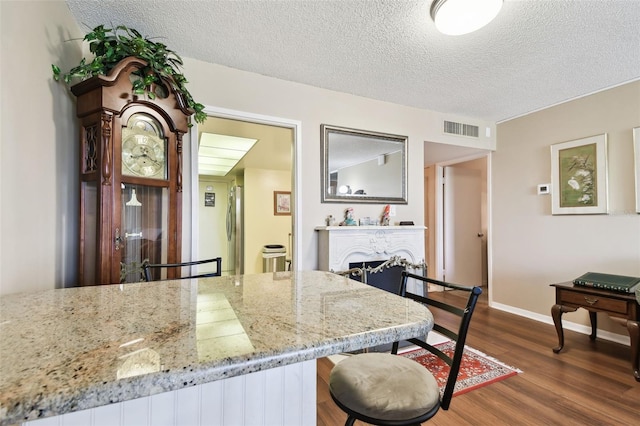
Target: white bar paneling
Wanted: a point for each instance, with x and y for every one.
(211, 403)
(255, 390)
(274, 404)
(49, 421)
(309, 401)
(107, 415)
(233, 402)
(187, 406)
(283, 396)
(163, 407)
(79, 418)
(136, 412)
(293, 389)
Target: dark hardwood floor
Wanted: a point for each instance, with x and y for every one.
(588, 383)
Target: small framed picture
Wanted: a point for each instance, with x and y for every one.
(282, 203)
(579, 176)
(209, 199)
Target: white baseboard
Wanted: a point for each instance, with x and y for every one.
(567, 325)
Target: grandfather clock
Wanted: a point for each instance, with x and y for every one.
(130, 175)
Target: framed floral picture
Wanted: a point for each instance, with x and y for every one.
(282, 203)
(579, 176)
(636, 155)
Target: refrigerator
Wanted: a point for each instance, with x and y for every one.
(235, 230)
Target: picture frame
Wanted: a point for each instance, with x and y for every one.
(282, 203)
(579, 176)
(636, 156)
(209, 199)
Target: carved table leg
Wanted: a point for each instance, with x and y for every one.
(594, 324)
(633, 327)
(634, 333)
(556, 314)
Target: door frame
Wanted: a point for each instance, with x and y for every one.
(296, 127)
(439, 219)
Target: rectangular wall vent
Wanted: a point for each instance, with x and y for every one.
(460, 129)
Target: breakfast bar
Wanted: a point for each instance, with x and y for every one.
(224, 350)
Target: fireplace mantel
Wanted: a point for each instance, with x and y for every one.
(340, 245)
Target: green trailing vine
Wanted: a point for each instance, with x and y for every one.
(111, 45)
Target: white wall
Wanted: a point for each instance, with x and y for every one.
(237, 90)
(531, 248)
(39, 148)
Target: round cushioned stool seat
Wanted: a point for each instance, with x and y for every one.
(384, 386)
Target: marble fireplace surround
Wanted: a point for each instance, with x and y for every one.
(338, 246)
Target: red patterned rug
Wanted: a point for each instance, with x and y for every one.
(476, 370)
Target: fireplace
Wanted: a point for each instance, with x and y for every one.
(341, 248)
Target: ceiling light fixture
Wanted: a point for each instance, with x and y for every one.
(457, 17)
(218, 154)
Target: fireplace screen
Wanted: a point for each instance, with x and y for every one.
(387, 278)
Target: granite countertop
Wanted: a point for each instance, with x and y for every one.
(71, 349)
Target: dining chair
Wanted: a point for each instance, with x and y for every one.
(148, 267)
(387, 389)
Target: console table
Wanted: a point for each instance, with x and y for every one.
(621, 308)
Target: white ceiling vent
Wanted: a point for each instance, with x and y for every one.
(460, 129)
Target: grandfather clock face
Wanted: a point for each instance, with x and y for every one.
(144, 148)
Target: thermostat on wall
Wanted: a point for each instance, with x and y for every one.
(544, 188)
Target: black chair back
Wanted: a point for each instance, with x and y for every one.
(458, 335)
(148, 267)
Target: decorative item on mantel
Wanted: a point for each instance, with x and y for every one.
(367, 221)
(330, 220)
(348, 218)
(384, 221)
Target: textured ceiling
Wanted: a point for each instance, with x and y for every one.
(535, 54)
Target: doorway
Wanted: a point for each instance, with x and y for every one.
(246, 191)
(456, 211)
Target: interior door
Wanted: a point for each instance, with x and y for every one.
(462, 225)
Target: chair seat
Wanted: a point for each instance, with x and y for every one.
(384, 386)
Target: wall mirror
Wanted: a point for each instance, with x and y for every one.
(359, 166)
